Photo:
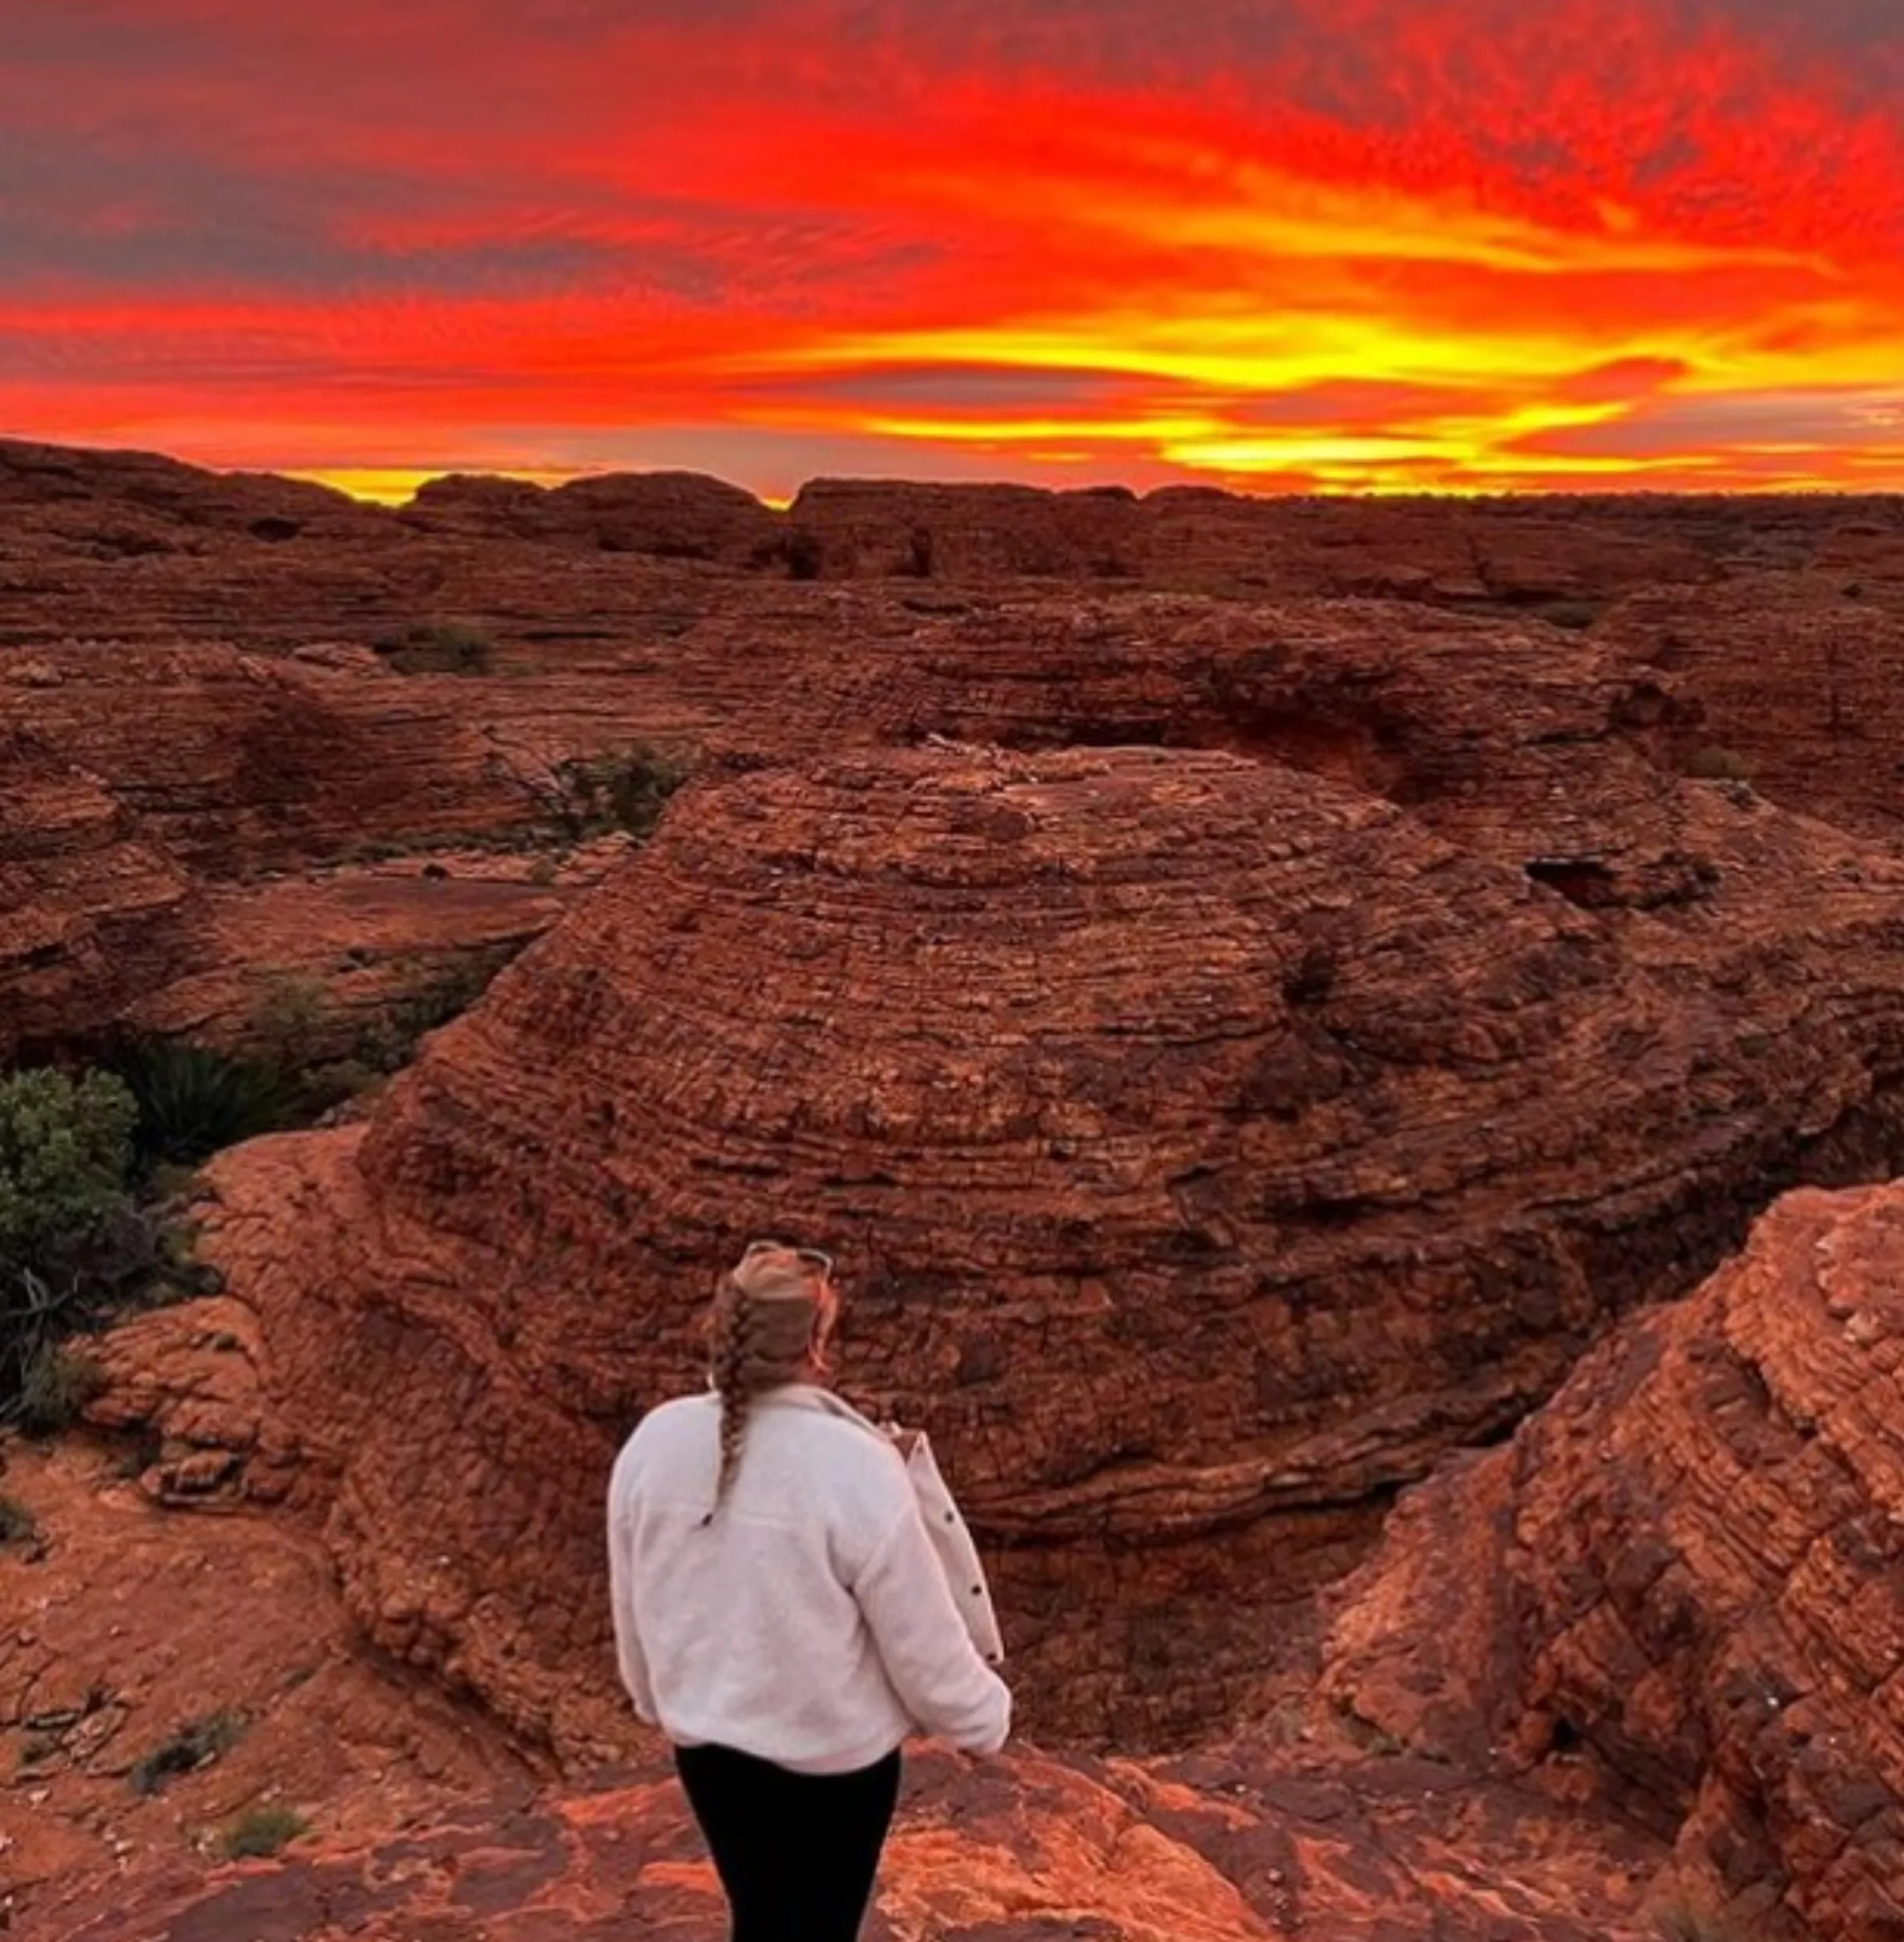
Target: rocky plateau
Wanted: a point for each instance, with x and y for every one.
(1351, 1055)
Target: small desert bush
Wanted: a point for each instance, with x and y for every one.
(624, 790)
(439, 646)
(66, 1152)
(72, 1242)
(1716, 765)
(289, 1022)
(195, 1743)
(194, 1101)
(634, 785)
(83, 1237)
(391, 1042)
(1577, 616)
(58, 1383)
(260, 1831)
(17, 1522)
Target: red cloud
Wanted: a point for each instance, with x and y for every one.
(1452, 242)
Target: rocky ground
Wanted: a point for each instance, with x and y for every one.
(1288, 1014)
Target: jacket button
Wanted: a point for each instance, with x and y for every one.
(951, 1517)
(978, 1591)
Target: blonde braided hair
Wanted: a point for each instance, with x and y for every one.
(768, 1327)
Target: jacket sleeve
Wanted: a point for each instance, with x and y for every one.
(928, 1656)
(630, 1659)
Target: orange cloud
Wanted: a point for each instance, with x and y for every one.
(1451, 244)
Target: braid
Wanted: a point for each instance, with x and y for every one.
(764, 1321)
(734, 1350)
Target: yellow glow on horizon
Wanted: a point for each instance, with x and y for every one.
(398, 484)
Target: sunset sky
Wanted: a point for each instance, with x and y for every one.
(1272, 243)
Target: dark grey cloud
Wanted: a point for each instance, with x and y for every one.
(68, 213)
(1823, 419)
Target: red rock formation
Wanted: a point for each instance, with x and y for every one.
(1216, 1136)
(1020, 1851)
(1210, 1149)
(236, 762)
(1794, 683)
(666, 515)
(126, 1623)
(420, 1820)
(159, 811)
(1502, 554)
(89, 911)
(883, 528)
(1686, 1570)
(77, 495)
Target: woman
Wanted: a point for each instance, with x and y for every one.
(781, 1613)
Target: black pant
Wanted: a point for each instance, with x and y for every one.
(796, 1852)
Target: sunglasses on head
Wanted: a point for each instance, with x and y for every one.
(814, 1257)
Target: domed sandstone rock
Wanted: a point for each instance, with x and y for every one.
(1209, 1148)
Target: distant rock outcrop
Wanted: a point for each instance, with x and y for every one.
(1792, 680)
(665, 515)
(239, 761)
(162, 810)
(1685, 1571)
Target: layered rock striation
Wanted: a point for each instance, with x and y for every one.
(91, 911)
(1686, 1572)
(1021, 1851)
(1791, 682)
(1210, 1149)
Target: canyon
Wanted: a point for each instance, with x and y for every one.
(1349, 1053)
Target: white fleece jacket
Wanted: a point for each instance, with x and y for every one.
(810, 1623)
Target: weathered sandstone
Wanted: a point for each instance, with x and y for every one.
(1023, 1851)
(1210, 1148)
(90, 910)
(1247, 1044)
(126, 1623)
(1792, 683)
(1685, 1570)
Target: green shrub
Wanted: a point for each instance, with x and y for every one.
(197, 1743)
(1576, 615)
(58, 1382)
(1715, 765)
(65, 1153)
(624, 788)
(72, 1242)
(636, 785)
(17, 1525)
(194, 1101)
(439, 646)
(260, 1831)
